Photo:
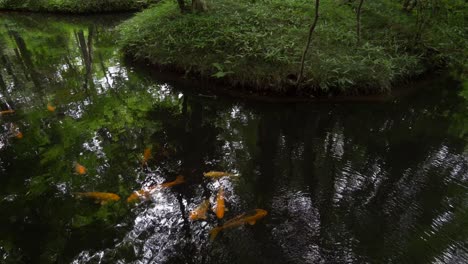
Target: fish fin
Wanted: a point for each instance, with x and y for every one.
(251, 222)
(103, 202)
(237, 218)
(214, 232)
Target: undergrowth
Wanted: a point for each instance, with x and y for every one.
(257, 44)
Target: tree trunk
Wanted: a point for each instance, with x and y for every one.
(181, 6)
(358, 22)
(311, 31)
(198, 6)
(3, 86)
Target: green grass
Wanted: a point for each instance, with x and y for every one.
(258, 44)
(75, 6)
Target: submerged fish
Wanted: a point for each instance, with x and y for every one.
(145, 193)
(50, 107)
(80, 169)
(247, 218)
(217, 174)
(220, 204)
(9, 111)
(19, 135)
(146, 155)
(101, 197)
(179, 180)
(15, 132)
(137, 194)
(200, 211)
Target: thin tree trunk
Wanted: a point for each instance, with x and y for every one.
(87, 53)
(311, 31)
(89, 66)
(198, 6)
(3, 86)
(181, 6)
(26, 57)
(358, 18)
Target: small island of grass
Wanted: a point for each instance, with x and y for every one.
(257, 45)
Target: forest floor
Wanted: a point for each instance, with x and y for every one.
(257, 45)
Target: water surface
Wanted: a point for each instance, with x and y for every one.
(342, 183)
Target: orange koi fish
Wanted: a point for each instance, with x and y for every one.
(217, 174)
(80, 169)
(9, 111)
(100, 197)
(16, 132)
(19, 135)
(200, 211)
(179, 180)
(147, 192)
(138, 194)
(146, 155)
(250, 218)
(220, 204)
(50, 107)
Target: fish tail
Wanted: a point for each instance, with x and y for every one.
(214, 232)
(180, 178)
(79, 194)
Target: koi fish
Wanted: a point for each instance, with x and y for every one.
(9, 111)
(19, 135)
(200, 211)
(80, 169)
(147, 192)
(217, 174)
(50, 107)
(179, 180)
(250, 218)
(138, 194)
(220, 204)
(146, 155)
(16, 132)
(100, 197)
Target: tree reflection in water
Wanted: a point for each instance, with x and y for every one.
(347, 183)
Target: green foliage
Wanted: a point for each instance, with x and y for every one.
(70, 6)
(258, 43)
(108, 113)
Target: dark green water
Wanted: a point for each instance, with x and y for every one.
(342, 183)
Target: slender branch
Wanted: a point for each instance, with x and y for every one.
(311, 31)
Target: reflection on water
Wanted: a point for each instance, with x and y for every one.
(350, 183)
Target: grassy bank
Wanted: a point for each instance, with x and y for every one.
(72, 6)
(258, 44)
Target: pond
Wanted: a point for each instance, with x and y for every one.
(374, 182)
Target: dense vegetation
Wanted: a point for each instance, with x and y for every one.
(382, 174)
(258, 44)
(71, 6)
